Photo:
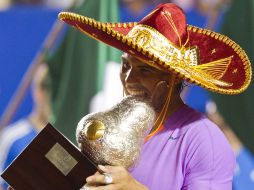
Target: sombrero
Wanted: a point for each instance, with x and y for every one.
(163, 40)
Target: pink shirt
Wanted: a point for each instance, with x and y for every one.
(190, 153)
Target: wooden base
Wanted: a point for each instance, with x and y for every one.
(49, 162)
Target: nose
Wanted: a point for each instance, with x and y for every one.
(131, 76)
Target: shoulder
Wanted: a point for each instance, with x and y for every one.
(15, 131)
(208, 152)
(196, 127)
(14, 135)
(11, 142)
(203, 134)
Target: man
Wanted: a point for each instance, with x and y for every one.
(184, 150)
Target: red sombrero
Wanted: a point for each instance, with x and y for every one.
(164, 40)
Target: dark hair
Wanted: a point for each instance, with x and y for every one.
(181, 86)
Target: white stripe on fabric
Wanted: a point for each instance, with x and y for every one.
(8, 136)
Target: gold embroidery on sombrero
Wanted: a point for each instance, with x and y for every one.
(234, 71)
(172, 24)
(213, 51)
(188, 38)
(157, 44)
(183, 60)
(215, 69)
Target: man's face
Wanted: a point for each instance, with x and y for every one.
(144, 81)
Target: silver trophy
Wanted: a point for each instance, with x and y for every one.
(115, 137)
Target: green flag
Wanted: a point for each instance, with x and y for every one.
(238, 109)
(77, 68)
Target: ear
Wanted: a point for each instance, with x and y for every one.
(178, 80)
(159, 95)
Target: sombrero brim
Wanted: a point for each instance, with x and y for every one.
(215, 50)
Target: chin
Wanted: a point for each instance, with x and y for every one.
(137, 93)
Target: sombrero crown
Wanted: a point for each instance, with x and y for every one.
(163, 40)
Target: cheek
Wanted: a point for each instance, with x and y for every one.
(122, 78)
(149, 84)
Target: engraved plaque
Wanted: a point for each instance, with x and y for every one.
(61, 159)
(49, 162)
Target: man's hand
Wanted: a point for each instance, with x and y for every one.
(113, 178)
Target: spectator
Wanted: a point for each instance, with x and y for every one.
(15, 137)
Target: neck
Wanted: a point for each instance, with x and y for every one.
(175, 103)
(173, 106)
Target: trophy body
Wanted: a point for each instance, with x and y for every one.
(115, 137)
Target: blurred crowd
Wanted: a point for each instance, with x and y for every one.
(204, 6)
(5, 4)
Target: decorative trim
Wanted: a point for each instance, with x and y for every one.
(186, 73)
(237, 49)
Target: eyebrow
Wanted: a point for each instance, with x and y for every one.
(147, 67)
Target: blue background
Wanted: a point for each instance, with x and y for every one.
(22, 32)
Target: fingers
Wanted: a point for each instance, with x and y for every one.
(110, 169)
(10, 188)
(106, 187)
(113, 178)
(111, 175)
(105, 178)
(96, 179)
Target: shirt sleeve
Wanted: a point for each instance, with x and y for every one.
(209, 161)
